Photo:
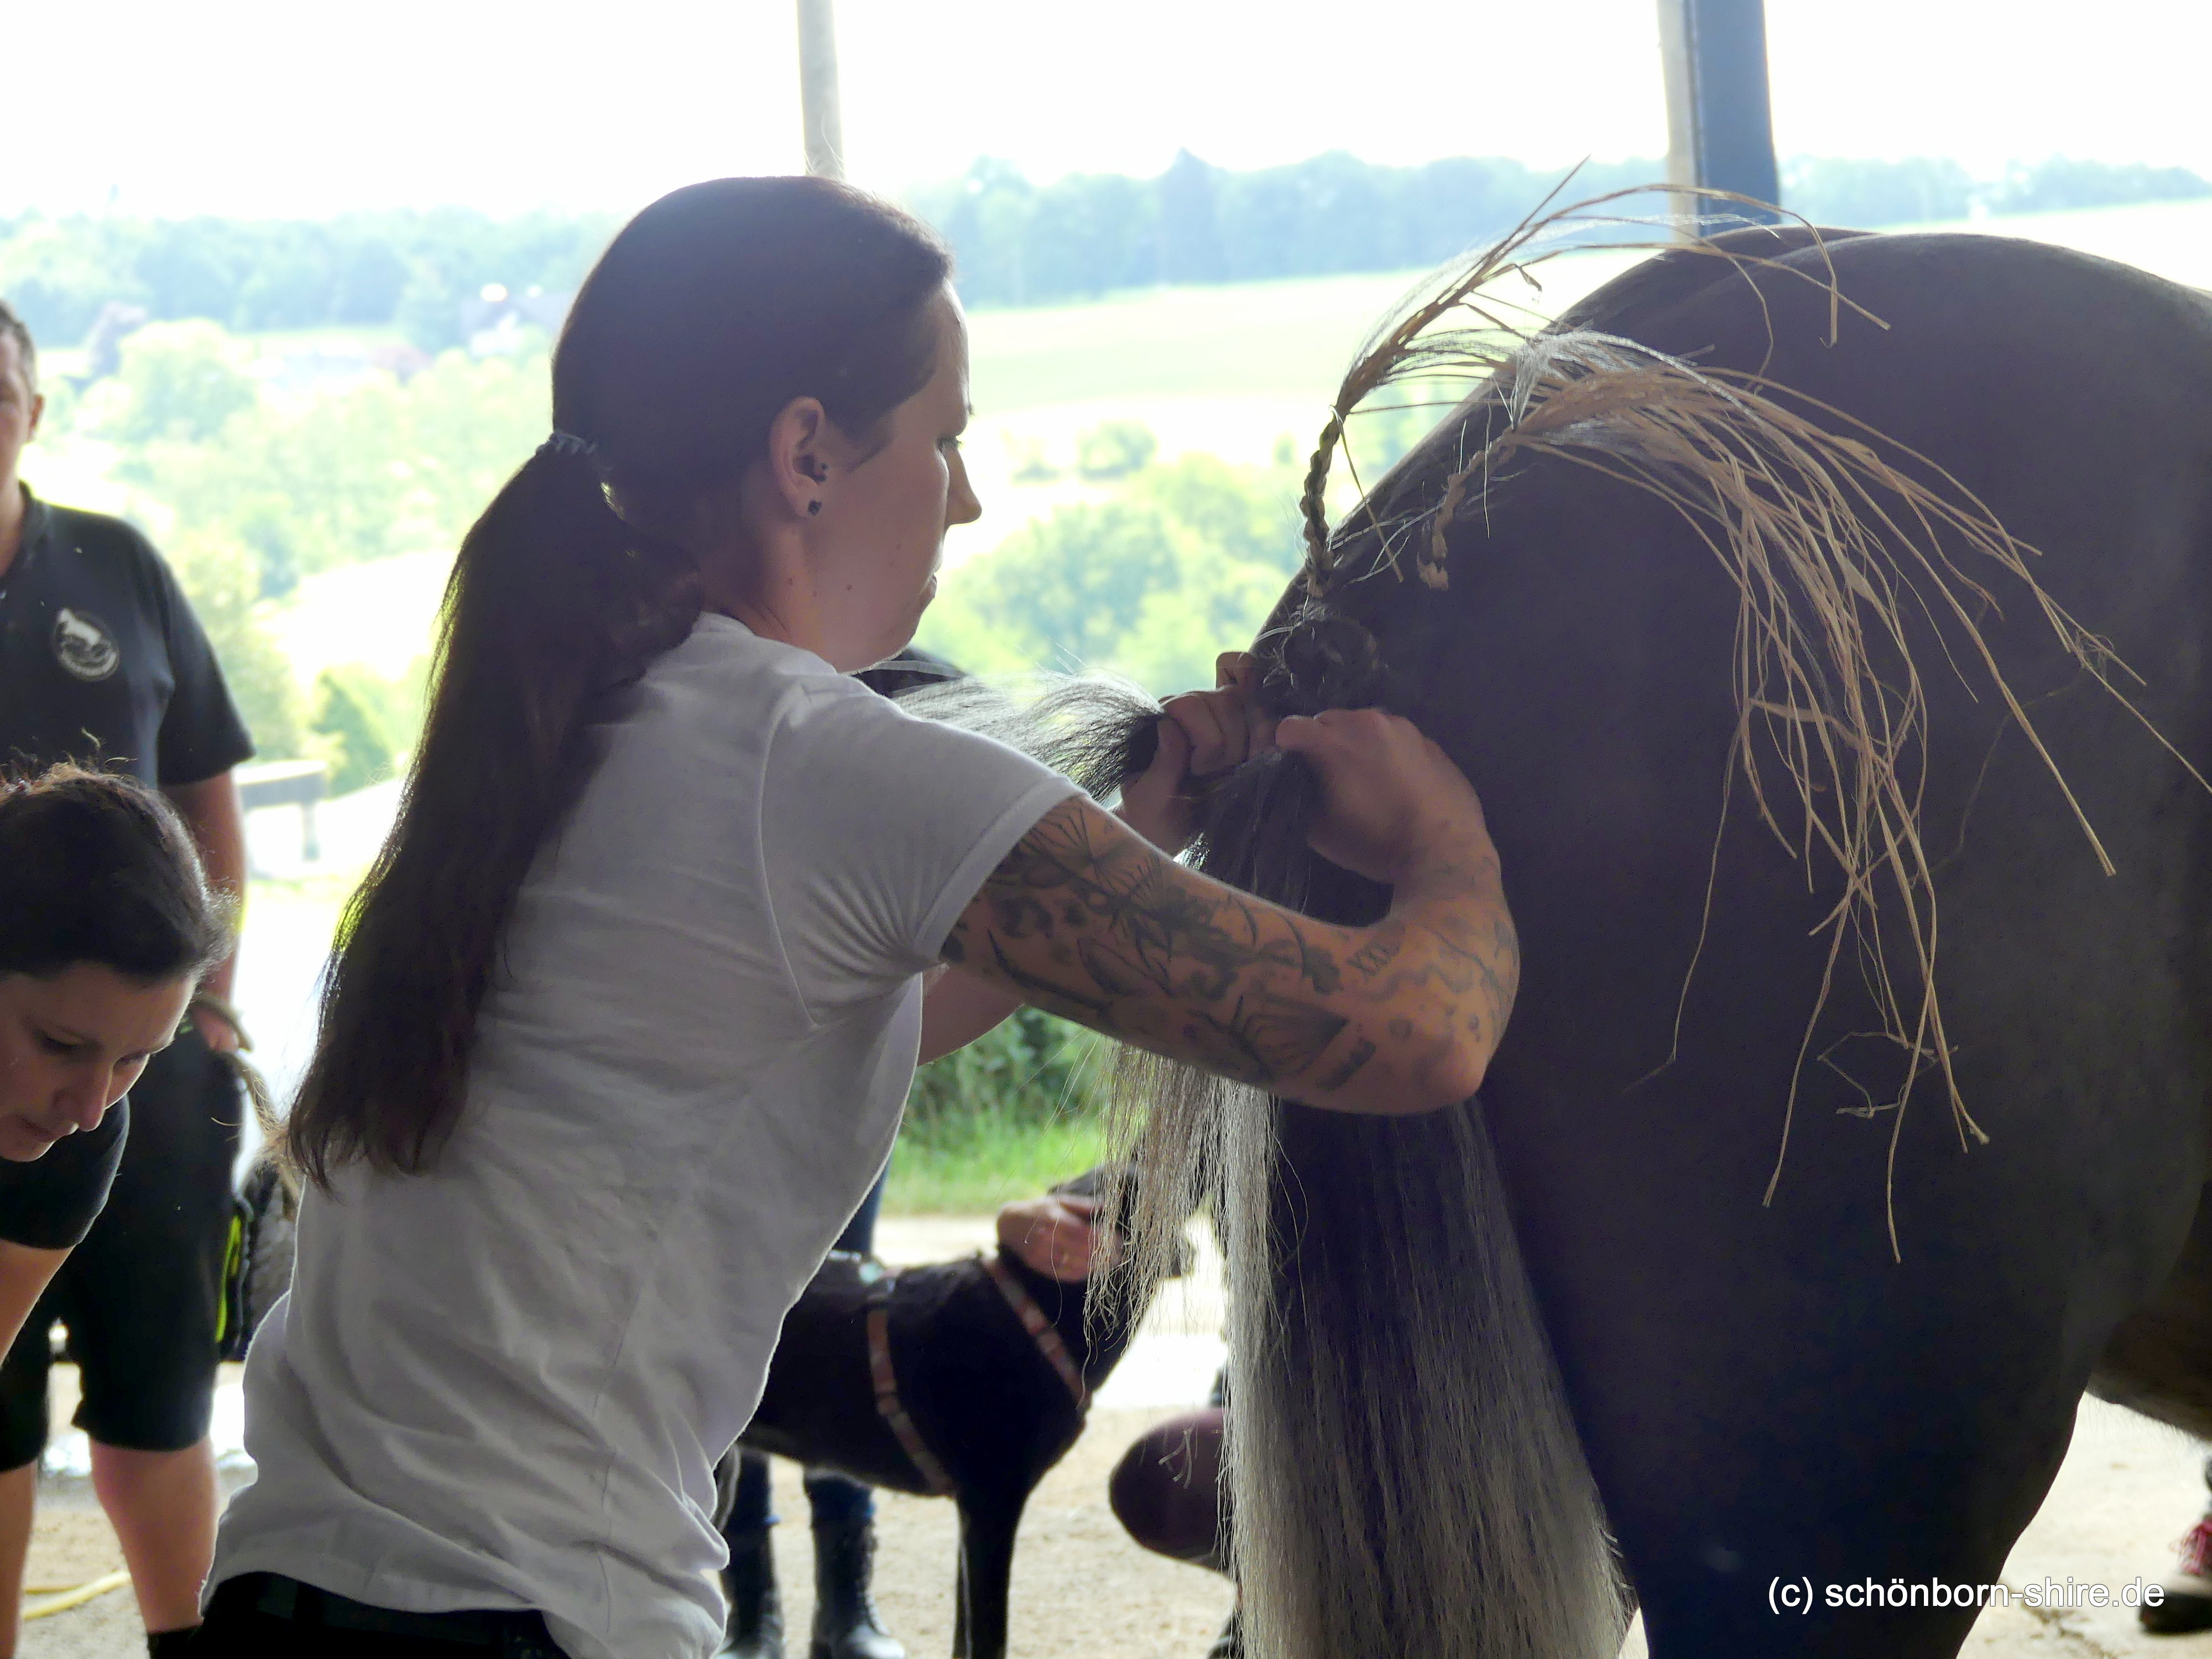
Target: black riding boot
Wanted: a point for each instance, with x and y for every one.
(755, 1627)
(845, 1622)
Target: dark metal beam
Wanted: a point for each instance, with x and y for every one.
(1720, 124)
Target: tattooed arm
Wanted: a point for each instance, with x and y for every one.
(1200, 732)
(1089, 920)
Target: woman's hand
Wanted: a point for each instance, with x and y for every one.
(1200, 733)
(1055, 1235)
(1392, 803)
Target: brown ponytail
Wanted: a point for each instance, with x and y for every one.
(710, 313)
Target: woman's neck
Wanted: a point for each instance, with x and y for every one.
(792, 622)
(762, 578)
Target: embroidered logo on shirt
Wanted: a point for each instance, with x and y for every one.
(83, 645)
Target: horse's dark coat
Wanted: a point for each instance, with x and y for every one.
(1763, 1392)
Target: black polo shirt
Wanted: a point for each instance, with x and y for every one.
(102, 661)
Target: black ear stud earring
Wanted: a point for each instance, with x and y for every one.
(813, 507)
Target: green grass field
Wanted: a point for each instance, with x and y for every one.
(975, 1166)
(1292, 340)
(1289, 341)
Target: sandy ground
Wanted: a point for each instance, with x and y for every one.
(1081, 1590)
(1080, 1587)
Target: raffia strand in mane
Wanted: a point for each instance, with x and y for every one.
(1425, 336)
(1835, 536)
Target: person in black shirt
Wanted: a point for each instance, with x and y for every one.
(102, 661)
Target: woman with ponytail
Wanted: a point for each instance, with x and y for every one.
(620, 1025)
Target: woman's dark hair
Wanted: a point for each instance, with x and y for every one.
(709, 313)
(96, 867)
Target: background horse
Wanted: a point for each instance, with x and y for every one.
(1856, 1361)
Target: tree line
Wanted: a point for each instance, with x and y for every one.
(1921, 189)
(1018, 242)
(417, 269)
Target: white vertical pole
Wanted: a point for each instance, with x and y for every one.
(818, 90)
(1681, 78)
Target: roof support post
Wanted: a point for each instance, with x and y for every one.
(818, 90)
(1720, 125)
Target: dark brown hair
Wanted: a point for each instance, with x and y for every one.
(96, 867)
(713, 309)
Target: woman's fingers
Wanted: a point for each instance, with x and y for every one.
(1389, 797)
(1226, 725)
(1214, 723)
(1155, 803)
(1200, 733)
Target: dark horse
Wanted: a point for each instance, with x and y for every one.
(1769, 1394)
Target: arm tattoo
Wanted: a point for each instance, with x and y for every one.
(1103, 929)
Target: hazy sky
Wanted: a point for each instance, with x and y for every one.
(263, 107)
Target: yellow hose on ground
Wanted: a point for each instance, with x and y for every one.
(72, 1596)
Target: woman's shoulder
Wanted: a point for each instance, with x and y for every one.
(723, 715)
(723, 684)
(728, 659)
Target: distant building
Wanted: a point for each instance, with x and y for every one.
(494, 322)
(401, 360)
(103, 346)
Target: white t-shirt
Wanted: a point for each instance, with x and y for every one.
(504, 1383)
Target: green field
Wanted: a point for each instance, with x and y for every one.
(986, 1163)
(1289, 340)
(1292, 340)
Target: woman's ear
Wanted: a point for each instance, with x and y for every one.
(797, 466)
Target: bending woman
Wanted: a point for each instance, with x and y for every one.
(626, 1012)
(106, 925)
